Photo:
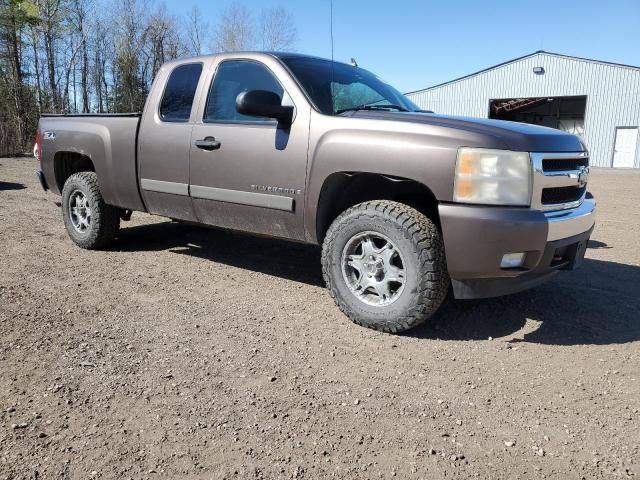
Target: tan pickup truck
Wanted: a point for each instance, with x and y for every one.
(406, 204)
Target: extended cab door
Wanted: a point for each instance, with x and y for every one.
(248, 173)
(164, 140)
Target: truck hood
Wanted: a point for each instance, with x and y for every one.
(516, 136)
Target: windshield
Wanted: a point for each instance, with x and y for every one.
(345, 88)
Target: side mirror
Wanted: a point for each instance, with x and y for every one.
(262, 103)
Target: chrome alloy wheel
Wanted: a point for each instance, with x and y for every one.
(79, 211)
(373, 269)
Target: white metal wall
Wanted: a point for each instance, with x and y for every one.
(613, 95)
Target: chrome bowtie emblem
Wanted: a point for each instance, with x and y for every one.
(583, 177)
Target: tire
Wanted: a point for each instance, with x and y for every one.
(413, 255)
(94, 226)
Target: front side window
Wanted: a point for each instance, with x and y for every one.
(179, 93)
(337, 87)
(232, 78)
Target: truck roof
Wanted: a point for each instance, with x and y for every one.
(256, 54)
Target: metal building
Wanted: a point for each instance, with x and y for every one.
(600, 101)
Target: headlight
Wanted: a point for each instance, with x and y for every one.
(492, 177)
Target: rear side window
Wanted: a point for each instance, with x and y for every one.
(232, 78)
(178, 95)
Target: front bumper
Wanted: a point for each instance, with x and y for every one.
(476, 238)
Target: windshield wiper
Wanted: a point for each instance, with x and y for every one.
(372, 107)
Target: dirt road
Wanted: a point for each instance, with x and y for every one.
(185, 352)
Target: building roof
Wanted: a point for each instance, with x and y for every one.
(538, 52)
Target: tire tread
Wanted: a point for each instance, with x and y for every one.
(105, 218)
(428, 248)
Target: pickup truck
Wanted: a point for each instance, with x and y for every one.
(406, 204)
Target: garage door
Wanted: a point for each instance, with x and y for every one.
(624, 152)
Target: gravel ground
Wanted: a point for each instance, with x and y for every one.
(184, 352)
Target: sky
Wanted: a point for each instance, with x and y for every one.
(414, 44)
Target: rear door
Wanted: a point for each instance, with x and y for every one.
(248, 173)
(164, 139)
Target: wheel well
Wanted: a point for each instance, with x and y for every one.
(343, 190)
(66, 164)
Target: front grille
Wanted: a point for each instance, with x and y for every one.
(559, 180)
(552, 196)
(557, 164)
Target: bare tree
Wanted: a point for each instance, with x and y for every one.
(126, 70)
(34, 39)
(72, 52)
(102, 55)
(277, 29)
(81, 9)
(235, 29)
(161, 41)
(196, 32)
(50, 22)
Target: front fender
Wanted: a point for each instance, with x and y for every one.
(408, 155)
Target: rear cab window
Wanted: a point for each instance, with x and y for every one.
(179, 93)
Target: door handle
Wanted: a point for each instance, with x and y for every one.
(208, 143)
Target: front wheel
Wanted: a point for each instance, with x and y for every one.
(384, 265)
(89, 221)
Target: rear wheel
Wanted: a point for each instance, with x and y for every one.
(385, 266)
(89, 221)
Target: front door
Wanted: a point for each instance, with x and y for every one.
(248, 173)
(624, 151)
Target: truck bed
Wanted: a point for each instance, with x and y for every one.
(109, 140)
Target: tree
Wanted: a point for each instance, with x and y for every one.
(277, 29)
(196, 32)
(81, 9)
(17, 100)
(50, 21)
(161, 42)
(62, 56)
(234, 31)
(102, 57)
(129, 86)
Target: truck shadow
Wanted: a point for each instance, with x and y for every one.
(597, 304)
(292, 261)
(11, 186)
